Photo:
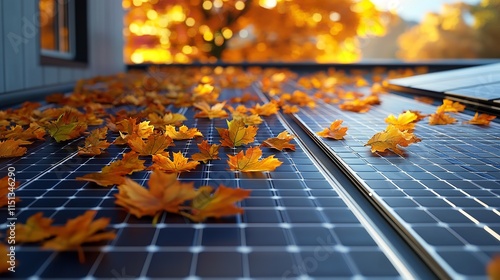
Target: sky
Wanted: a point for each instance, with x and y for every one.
(415, 10)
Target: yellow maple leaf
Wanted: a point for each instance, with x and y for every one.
(250, 161)
(183, 133)
(215, 204)
(155, 144)
(390, 139)
(356, 105)
(237, 134)
(178, 163)
(165, 193)
(207, 152)
(211, 112)
(481, 119)
(265, 109)
(95, 143)
(441, 118)
(450, 106)
(290, 109)
(36, 228)
(335, 131)
(280, 142)
(129, 127)
(80, 230)
(405, 121)
(160, 122)
(11, 148)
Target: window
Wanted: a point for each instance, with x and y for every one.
(63, 28)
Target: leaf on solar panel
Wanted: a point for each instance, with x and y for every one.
(211, 112)
(155, 144)
(220, 203)
(493, 268)
(7, 187)
(290, 109)
(335, 131)
(441, 118)
(165, 193)
(481, 119)
(5, 262)
(159, 122)
(95, 143)
(130, 128)
(356, 105)
(113, 174)
(280, 142)
(419, 115)
(266, 109)
(391, 139)
(404, 121)
(12, 148)
(450, 106)
(36, 228)
(68, 126)
(207, 152)
(80, 230)
(177, 164)
(237, 133)
(182, 133)
(250, 161)
(34, 131)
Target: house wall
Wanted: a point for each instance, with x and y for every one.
(21, 74)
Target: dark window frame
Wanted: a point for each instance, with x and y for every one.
(79, 34)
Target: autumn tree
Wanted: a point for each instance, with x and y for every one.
(165, 31)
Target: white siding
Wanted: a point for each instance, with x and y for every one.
(20, 68)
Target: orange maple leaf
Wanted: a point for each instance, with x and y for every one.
(95, 143)
(160, 122)
(419, 115)
(178, 163)
(493, 268)
(130, 128)
(215, 204)
(390, 139)
(280, 142)
(265, 109)
(405, 121)
(113, 173)
(165, 193)
(36, 228)
(183, 133)
(11, 148)
(355, 105)
(155, 144)
(237, 134)
(335, 131)
(481, 119)
(68, 126)
(4, 258)
(250, 161)
(247, 119)
(450, 106)
(424, 99)
(34, 131)
(75, 232)
(441, 118)
(207, 152)
(287, 109)
(213, 112)
(7, 186)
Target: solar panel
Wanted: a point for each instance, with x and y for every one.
(295, 222)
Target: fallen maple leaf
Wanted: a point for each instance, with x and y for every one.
(355, 105)
(183, 133)
(287, 109)
(160, 122)
(405, 121)
(165, 193)
(95, 143)
(390, 139)
(5, 259)
(34, 131)
(178, 163)
(7, 186)
(424, 99)
(248, 119)
(215, 204)
(280, 142)
(130, 128)
(441, 118)
(113, 173)
(265, 109)
(250, 161)
(419, 115)
(207, 152)
(67, 126)
(11, 148)
(216, 111)
(155, 144)
(481, 119)
(75, 232)
(237, 134)
(450, 106)
(335, 131)
(36, 228)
